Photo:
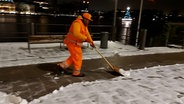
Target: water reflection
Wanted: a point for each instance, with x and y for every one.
(7, 18)
(14, 26)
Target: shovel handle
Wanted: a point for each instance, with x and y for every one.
(104, 59)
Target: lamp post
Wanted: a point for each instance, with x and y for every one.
(114, 21)
(139, 21)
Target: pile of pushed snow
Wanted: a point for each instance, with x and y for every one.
(11, 99)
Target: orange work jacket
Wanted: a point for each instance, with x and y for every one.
(78, 33)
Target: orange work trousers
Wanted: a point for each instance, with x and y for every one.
(75, 58)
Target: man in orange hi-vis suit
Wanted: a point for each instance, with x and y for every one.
(78, 33)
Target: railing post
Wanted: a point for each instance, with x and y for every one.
(32, 29)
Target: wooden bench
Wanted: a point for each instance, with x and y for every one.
(40, 39)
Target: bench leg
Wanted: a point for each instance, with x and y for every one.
(87, 44)
(60, 45)
(29, 47)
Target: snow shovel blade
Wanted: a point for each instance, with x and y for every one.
(116, 69)
(121, 71)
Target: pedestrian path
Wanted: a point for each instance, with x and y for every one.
(16, 53)
(155, 85)
(13, 54)
(23, 73)
(29, 81)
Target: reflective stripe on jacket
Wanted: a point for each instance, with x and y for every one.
(78, 33)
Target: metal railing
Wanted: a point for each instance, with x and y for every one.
(20, 31)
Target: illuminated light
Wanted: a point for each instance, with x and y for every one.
(179, 15)
(43, 3)
(128, 8)
(127, 14)
(45, 8)
(40, 2)
(2, 10)
(7, 0)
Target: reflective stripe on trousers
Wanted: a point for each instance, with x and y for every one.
(64, 65)
(76, 72)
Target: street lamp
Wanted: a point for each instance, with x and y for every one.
(139, 21)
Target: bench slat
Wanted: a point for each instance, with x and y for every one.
(39, 39)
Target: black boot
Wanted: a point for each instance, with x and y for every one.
(60, 70)
(80, 75)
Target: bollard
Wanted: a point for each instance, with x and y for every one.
(104, 40)
(143, 39)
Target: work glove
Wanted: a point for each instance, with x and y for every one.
(92, 45)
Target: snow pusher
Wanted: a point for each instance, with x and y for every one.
(114, 68)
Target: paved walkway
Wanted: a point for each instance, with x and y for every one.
(15, 54)
(29, 80)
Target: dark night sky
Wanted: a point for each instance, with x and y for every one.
(165, 5)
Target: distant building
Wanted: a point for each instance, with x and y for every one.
(84, 5)
(25, 8)
(43, 6)
(6, 1)
(7, 6)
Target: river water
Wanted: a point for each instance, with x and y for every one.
(17, 27)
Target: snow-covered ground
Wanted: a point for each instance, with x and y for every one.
(14, 54)
(155, 85)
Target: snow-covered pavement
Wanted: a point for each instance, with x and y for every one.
(155, 85)
(14, 54)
